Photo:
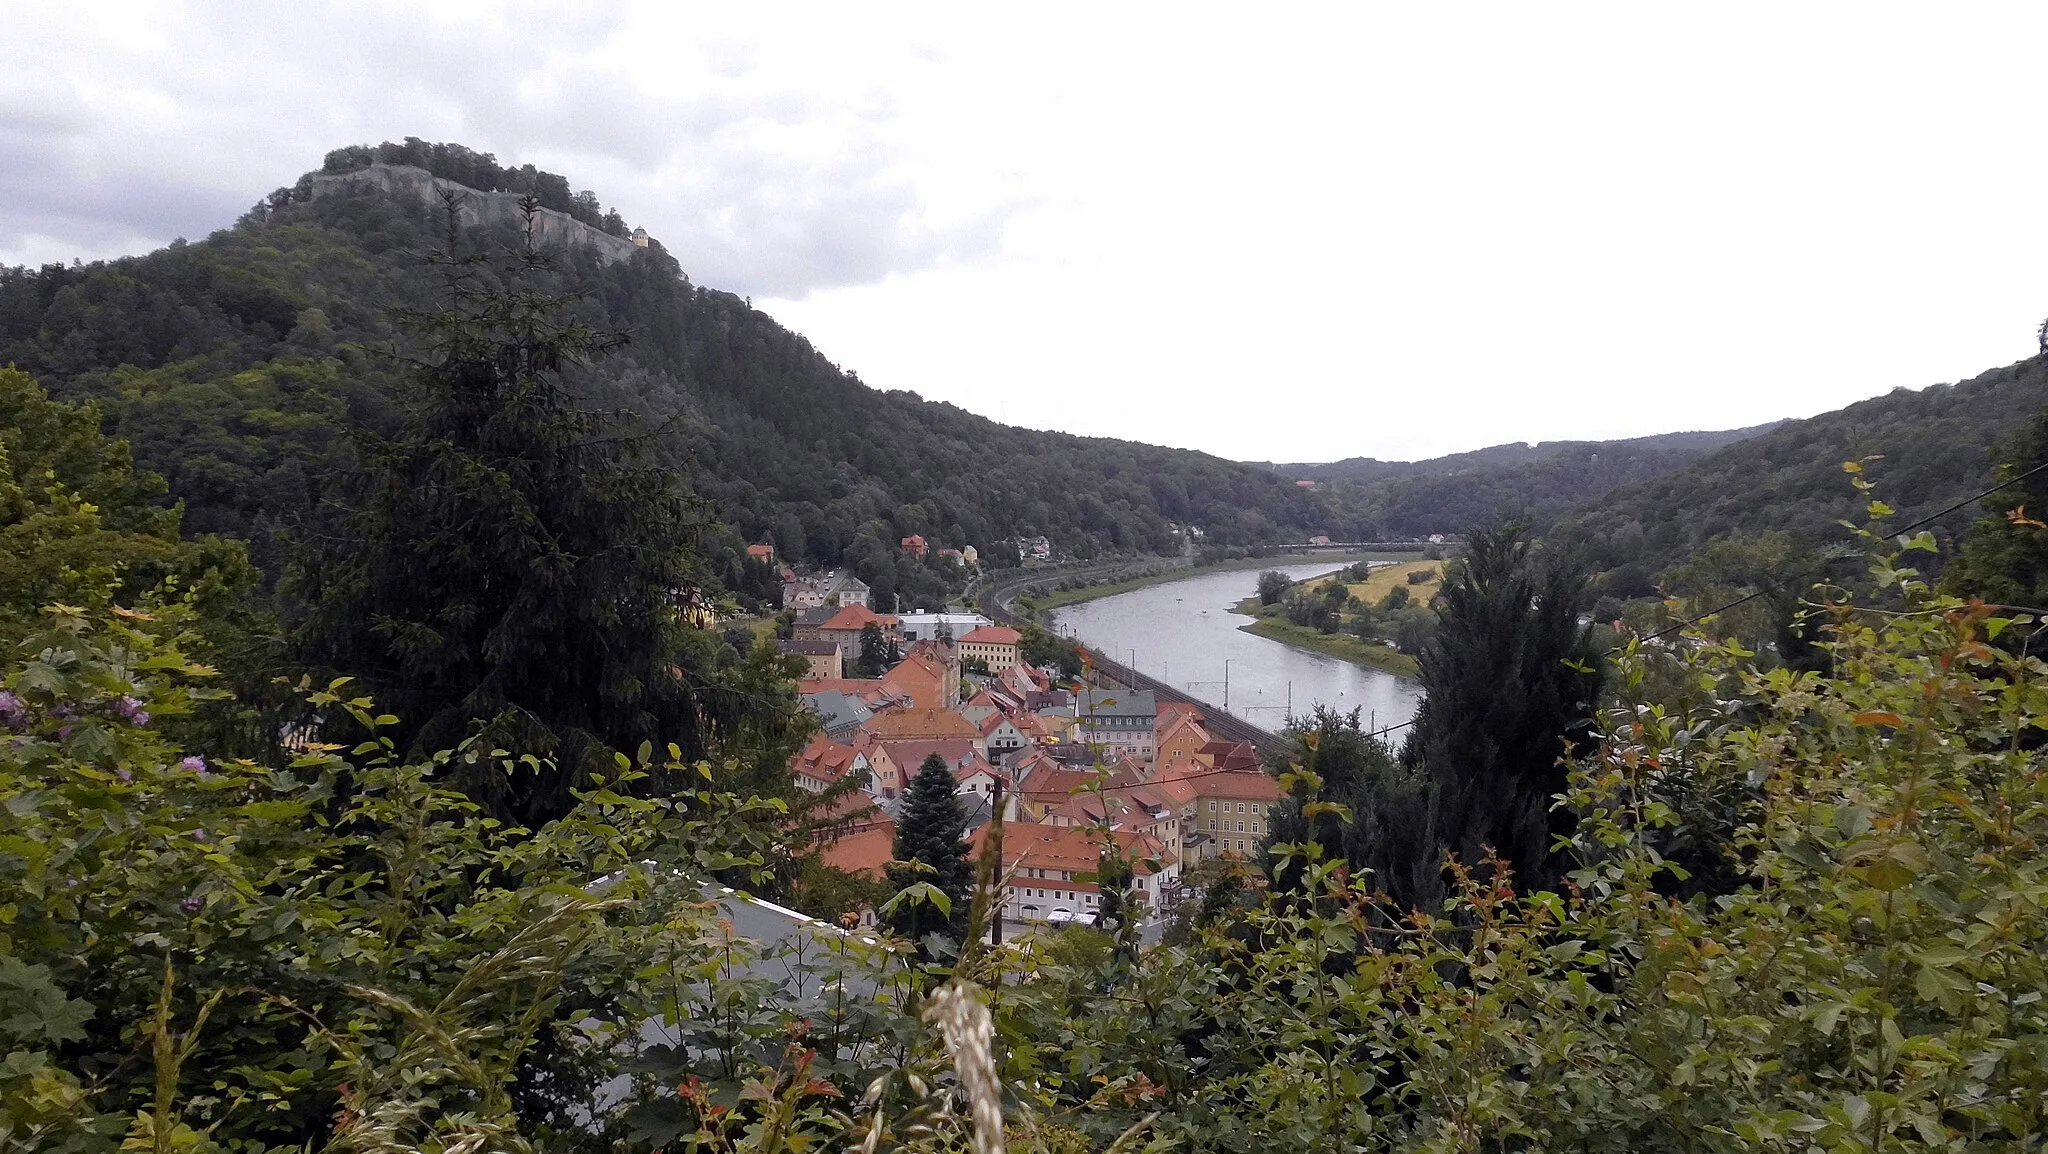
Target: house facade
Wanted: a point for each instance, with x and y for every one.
(822, 658)
(1121, 721)
(996, 645)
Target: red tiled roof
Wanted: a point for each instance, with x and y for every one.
(909, 754)
(856, 617)
(919, 678)
(993, 635)
(760, 552)
(823, 760)
(1067, 848)
(1239, 785)
(864, 851)
(1051, 784)
(921, 724)
(1232, 755)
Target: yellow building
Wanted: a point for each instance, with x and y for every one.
(995, 644)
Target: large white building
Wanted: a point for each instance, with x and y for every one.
(922, 626)
(1122, 721)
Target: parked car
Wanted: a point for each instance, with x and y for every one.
(1060, 916)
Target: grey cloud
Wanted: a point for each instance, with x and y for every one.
(256, 97)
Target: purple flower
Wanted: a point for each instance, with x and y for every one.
(63, 732)
(126, 776)
(13, 712)
(199, 834)
(130, 710)
(192, 904)
(193, 764)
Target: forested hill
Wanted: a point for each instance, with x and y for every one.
(1675, 447)
(236, 364)
(1534, 484)
(1938, 445)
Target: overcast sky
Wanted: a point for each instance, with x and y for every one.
(1295, 233)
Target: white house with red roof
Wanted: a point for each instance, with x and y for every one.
(1049, 871)
(823, 762)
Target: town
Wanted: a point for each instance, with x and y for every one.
(1066, 764)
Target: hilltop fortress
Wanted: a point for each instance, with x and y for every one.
(476, 207)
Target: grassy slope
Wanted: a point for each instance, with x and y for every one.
(1344, 646)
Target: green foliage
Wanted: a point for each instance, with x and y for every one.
(1358, 803)
(1934, 447)
(79, 523)
(788, 445)
(1772, 569)
(1535, 484)
(382, 968)
(1876, 981)
(1273, 585)
(510, 558)
(1040, 646)
(2005, 558)
(1510, 685)
(931, 873)
(874, 652)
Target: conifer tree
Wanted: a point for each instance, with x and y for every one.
(929, 834)
(509, 559)
(1511, 680)
(874, 651)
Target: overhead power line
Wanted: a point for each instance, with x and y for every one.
(1900, 532)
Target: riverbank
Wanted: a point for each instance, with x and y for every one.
(1034, 607)
(1185, 634)
(1342, 646)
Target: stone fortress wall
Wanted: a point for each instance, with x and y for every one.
(475, 207)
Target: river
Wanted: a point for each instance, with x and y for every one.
(1183, 632)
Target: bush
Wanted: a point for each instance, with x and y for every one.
(1273, 585)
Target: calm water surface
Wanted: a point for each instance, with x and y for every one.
(1182, 632)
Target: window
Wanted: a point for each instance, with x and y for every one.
(1212, 807)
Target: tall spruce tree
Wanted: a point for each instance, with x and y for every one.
(874, 651)
(510, 560)
(929, 834)
(1511, 679)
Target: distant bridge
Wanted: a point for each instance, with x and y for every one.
(1362, 547)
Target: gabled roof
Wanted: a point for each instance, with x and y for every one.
(808, 648)
(1117, 703)
(909, 754)
(863, 852)
(995, 721)
(1236, 784)
(1053, 784)
(919, 678)
(824, 760)
(855, 617)
(1071, 848)
(993, 635)
(1232, 755)
(922, 724)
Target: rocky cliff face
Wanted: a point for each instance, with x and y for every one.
(473, 206)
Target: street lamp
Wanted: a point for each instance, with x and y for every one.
(1226, 683)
